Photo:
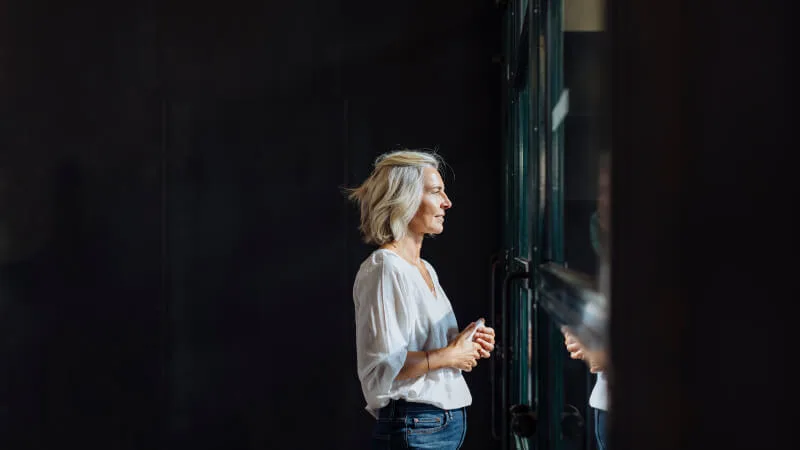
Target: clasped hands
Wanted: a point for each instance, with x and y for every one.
(466, 352)
(596, 360)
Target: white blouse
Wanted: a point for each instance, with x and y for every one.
(396, 313)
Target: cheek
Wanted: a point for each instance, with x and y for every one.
(426, 214)
(419, 219)
(430, 214)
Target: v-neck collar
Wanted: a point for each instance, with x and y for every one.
(435, 291)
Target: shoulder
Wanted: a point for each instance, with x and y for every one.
(379, 272)
(380, 263)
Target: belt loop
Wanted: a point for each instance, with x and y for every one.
(392, 408)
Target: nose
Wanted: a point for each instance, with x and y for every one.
(447, 204)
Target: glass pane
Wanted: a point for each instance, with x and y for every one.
(521, 373)
(580, 176)
(521, 9)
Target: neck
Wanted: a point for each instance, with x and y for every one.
(409, 247)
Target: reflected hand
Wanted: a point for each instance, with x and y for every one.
(574, 347)
(597, 361)
(484, 337)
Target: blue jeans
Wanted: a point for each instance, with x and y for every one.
(600, 428)
(404, 425)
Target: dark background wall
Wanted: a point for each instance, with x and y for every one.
(177, 256)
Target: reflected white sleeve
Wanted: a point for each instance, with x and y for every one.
(382, 330)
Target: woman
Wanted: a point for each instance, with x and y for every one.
(598, 359)
(410, 353)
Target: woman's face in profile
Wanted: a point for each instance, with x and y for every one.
(429, 218)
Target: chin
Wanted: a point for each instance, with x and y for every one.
(436, 230)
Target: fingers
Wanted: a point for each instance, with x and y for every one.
(486, 330)
(482, 340)
(484, 349)
(575, 350)
(485, 336)
(485, 345)
(574, 347)
(476, 353)
(469, 365)
(466, 331)
(573, 344)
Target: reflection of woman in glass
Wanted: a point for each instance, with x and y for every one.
(597, 360)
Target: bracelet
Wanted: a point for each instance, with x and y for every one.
(428, 361)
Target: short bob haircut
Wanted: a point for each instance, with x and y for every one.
(392, 193)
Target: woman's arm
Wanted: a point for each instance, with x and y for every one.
(420, 363)
(596, 360)
(461, 354)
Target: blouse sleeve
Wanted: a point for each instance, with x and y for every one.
(383, 327)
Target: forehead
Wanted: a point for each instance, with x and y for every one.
(432, 177)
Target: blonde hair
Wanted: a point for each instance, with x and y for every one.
(392, 193)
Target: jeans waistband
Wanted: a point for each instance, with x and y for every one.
(398, 408)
